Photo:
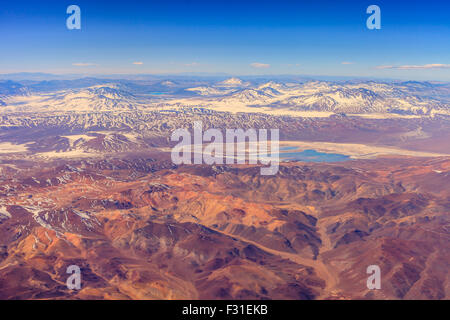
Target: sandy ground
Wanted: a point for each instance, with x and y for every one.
(75, 154)
(8, 147)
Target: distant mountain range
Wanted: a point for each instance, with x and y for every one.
(232, 94)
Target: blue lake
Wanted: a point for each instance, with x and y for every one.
(311, 155)
(157, 93)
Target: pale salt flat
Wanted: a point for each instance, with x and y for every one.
(356, 150)
(8, 147)
(66, 154)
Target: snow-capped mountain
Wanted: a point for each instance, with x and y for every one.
(96, 98)
(227, 87)
(362, 98)
(210, 91)
(273, 85)
(335, 97)
(232, 95)
(168, 83)
(11, 88)
(232, 82)
(252, 96)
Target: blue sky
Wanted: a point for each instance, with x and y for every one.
(235, 37)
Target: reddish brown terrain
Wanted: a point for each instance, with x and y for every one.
(141, 228)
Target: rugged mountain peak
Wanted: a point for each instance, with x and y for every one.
(236, 82)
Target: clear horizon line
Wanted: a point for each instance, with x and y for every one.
(213, 74)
